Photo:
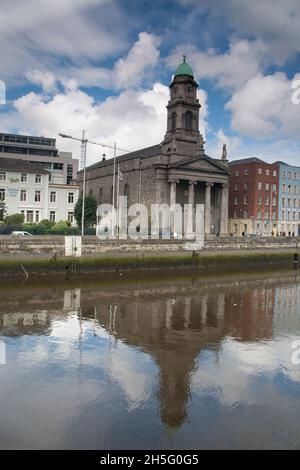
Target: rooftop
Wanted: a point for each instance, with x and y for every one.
(184, 69)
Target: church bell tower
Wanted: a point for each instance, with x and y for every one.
(183, 136)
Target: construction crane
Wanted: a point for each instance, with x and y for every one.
(84, 141)
(83, 149)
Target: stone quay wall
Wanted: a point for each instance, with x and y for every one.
(48, 246)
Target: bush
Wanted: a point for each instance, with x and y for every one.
(89, 231)
(35, 229)
(60, 228)
(47, 224)
(14, 219)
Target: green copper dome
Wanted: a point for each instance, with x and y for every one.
(184, 69)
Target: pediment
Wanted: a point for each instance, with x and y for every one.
(205, 164)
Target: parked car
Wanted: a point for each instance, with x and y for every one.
(21, 234)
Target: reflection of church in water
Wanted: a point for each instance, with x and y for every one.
(173, 323)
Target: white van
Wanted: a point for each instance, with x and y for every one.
(21, 234)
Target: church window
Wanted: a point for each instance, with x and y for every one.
(100, 195)
(173, 121)
(188, 120)
(126, 190)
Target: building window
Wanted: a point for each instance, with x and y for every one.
(237, 173)
(283, 174)
(246, 186)
(37, 196)
(53, 196)
(274, 201)
(236, 187)
(274, 173)
(38, 179)
(246, 172)
(283, 215)
(290, 175)
(2, 194)
(259, 171)
(245, 214)
(267, 172)
(246, 200)
(259, 200)
(259, 186)
(283, 201)
(235, 214)
(100, 195)
(52, 216)
(266, 214)
(29, 217)
(2, 176)
(283, 188)
(267, 187)
(274, 188)
(173, 121)
(236, 201)
(259, 215)
(23, 195)
(23, 177)
(267, 200)
(273, 215)
(188, 120)
(37, 216)
(71, 217)
(71, 198)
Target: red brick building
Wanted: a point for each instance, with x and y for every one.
(253, 197)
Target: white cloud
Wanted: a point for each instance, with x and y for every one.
(42, 78)
(262, 108)
(127, 72)
(274, 22)
(243, 60)
(54, 35)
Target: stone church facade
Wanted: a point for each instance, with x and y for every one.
(175, 171)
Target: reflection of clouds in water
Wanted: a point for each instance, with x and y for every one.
(240, 367)
(132, 374)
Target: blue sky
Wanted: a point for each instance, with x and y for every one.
(105, 65)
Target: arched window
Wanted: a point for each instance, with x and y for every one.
(100, 195)
(126, 190)
(188, 120)
(173, 121)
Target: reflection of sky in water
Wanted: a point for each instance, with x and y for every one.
(205, 369)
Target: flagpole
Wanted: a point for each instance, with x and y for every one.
(118, 192)
(113, 195)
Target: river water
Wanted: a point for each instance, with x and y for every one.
(167, 363)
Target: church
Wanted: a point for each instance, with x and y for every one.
(175, 171)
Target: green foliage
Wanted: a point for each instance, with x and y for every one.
(60, 228)
(2, 210)
(35, 229)
(14, 219)
(47, 224)
(90, 209)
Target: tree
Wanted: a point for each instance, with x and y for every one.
(14, 219)
(2, 210)
(90, 210)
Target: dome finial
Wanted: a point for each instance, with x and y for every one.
(184, 57)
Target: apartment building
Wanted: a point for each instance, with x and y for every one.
(253, 197)
(61, 166)
(289, 199)
(26, 188)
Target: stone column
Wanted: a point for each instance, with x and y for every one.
(224, 210)
(207, 208)
(189, 215)
(173, 191)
